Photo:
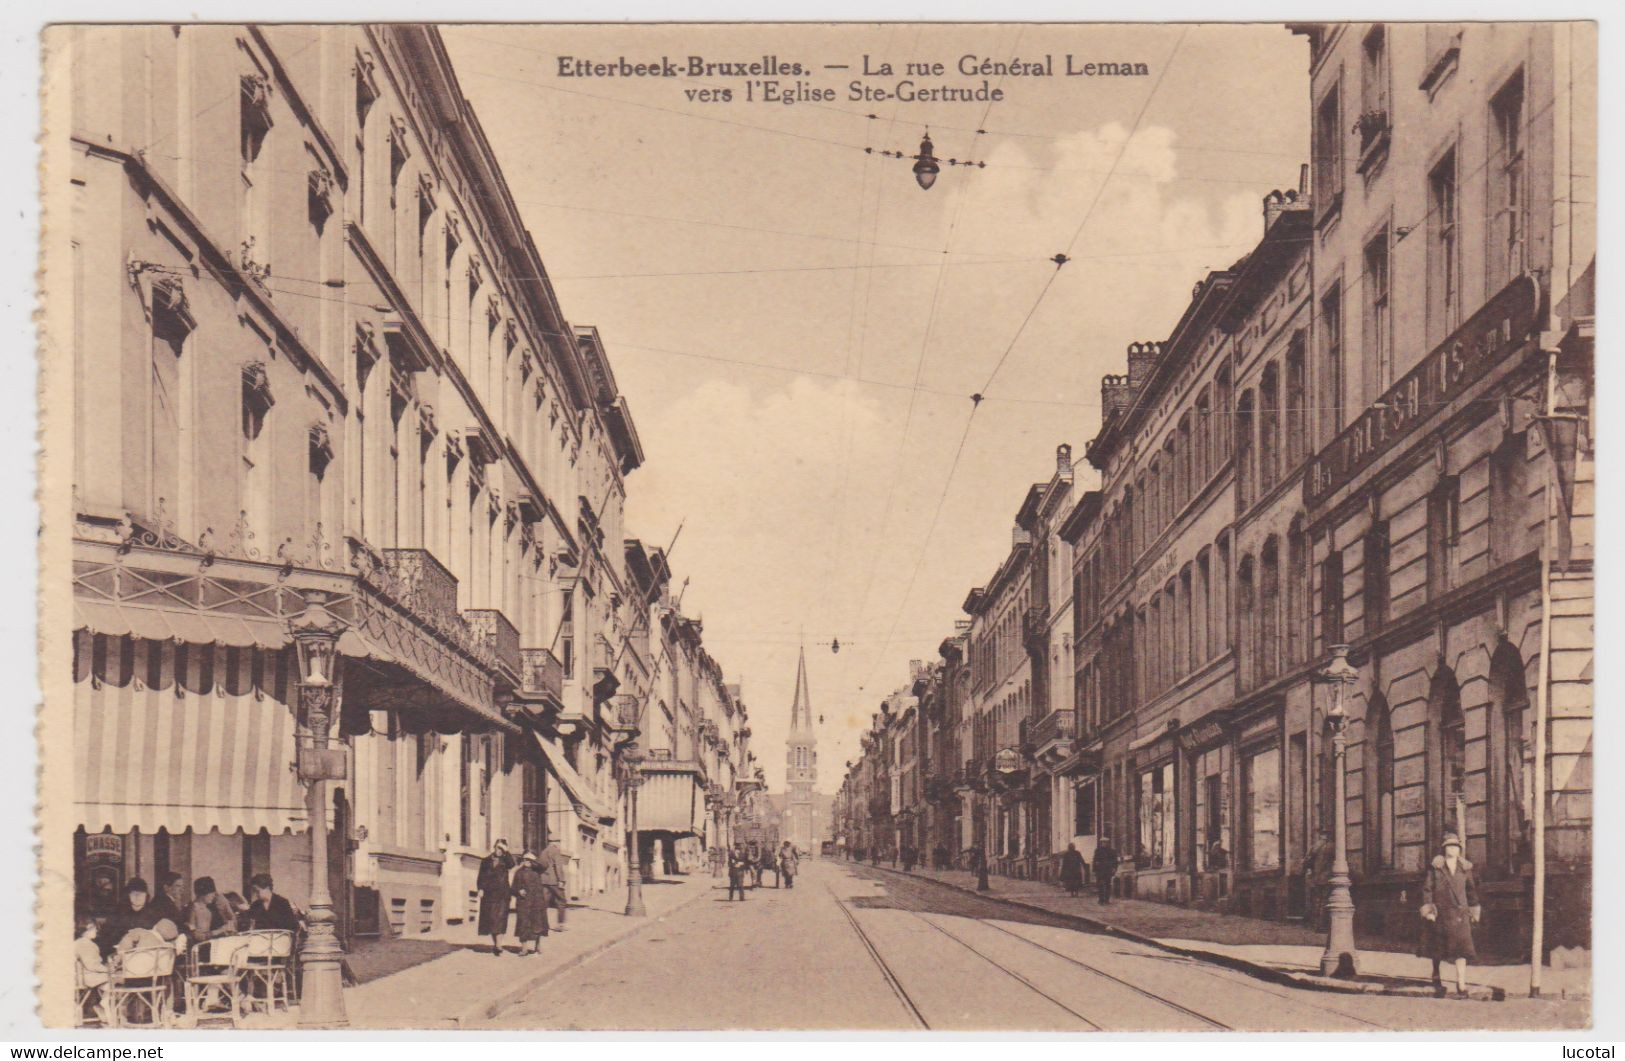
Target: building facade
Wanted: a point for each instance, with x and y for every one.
(325, 363)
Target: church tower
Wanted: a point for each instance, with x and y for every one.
(801, 766)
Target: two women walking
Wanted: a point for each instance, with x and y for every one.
(532, 883)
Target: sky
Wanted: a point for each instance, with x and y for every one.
(798, 328)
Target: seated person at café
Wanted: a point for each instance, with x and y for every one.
(270, 910)
(210, 914)
(136, 922)
(90, 970)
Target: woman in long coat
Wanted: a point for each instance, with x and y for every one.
(495, 893)
(1450, 906)
(1072, 870)
(531, 900)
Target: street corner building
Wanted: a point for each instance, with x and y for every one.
(1371, 436)
(316, 368)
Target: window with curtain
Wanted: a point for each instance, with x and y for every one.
(1261, 782)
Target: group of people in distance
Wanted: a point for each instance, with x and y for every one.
(746, 865)
(530, 884)
(171, 918)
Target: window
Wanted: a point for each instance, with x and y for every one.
(1202, 455)
(1450, 756)
(1269, 422)
(1378, 337)
(1083, 809)
(1443, 528)
(1296, 445)
(1380, 785)
(1328, 148)
(1373, 123)
(1261, 795)
(1297, 593)
(1246, 620)
(1156, 817)
(1506, 184)
(1331, 599)
(167, 419)
(1375, 567)
(1269, 609)
(253, 125)
(567, 640)
(256, 451)
(1245, 489)
(1508, 768)
(319, 457)
(465, 793)
(1509, 499)
(1331, 362)
(1222, 412)
(1444, 258)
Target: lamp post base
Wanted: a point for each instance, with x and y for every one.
(1341, 958)
(321, 991)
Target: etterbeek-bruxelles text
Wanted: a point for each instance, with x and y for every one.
(772, 66)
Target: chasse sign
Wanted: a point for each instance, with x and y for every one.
(1491, 334)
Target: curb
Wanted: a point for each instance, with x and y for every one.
(1476, 992)
(488, 1008)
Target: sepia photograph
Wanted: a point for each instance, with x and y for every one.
(718, 527)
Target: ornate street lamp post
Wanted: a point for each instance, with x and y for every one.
(632, 763)
(1341, 957)
(316, 635)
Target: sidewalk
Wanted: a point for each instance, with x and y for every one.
(468, 984)
(1282, 951)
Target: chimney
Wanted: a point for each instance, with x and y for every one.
(1142, 358)
(1063, 461)
(1116, 395)
(1303, 180)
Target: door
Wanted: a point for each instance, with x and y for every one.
(340, 850)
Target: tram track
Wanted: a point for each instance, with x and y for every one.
(912, 906)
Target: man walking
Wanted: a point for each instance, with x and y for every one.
(1105, 866)
(554, 867)
(738, 866)
(789, 863)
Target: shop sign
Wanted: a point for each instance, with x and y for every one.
(1489, 336)
(323, 764)
(1007, 761)
(1201, 735)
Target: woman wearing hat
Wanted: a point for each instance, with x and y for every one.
(1450, 906)
(494, 889)
(531, 897)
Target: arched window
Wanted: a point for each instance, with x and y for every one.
(1269, 610)
(1244, 450)
(1246, 614)
(1508, 763)
(1379, 784)
(1269, 431)
(1447, 747)
(1297, 593)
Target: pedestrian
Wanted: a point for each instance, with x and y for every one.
(789, 863)
(1105, 867)
(532, 897)
(495, 893)
(1072, 870)
(738, 866)
(874, 855)
(555, 867)
(908, 859)
(759, 863)
(1450, 907)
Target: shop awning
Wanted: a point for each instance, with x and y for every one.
(160, 624)
(167, 756)
(588, 804)
(670, 801)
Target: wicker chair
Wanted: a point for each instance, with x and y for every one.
(215, 971)
(95, 1016)
(268, 968)
(139, 982)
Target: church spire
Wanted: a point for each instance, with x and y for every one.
(801, 709)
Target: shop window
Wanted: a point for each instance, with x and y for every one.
(1155, 845)
(1261, 781)
(1379, 786)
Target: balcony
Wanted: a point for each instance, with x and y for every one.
(499, 637)
(1035, 629)
(541, 674)
(1054, 735)
(422, 584)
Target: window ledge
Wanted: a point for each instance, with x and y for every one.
(1441, 67)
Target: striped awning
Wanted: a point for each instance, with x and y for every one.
(670, 801)
(182, 736)
(588, 804)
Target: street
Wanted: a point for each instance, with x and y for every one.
(853, 947)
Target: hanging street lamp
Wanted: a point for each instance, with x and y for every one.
(315, 633)
(1341, 957)
(926, 163)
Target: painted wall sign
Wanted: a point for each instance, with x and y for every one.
(1489, 335)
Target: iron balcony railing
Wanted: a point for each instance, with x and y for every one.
(1056, 726)
(423, 584)
(500, 637)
